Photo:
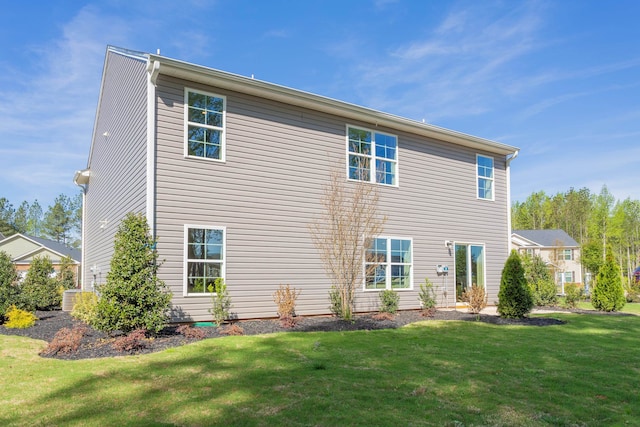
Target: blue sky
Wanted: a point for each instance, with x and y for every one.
(559, 79)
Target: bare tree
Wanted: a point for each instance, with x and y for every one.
(342, 235)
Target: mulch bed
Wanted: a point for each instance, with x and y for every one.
(97, 344)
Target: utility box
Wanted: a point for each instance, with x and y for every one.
(442, 269)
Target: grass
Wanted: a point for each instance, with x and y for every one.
(631, 308)
(586, 372)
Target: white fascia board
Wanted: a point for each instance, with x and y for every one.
(221, 79)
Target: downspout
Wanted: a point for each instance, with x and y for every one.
(81, 179)
(509, 160)
(153, 69)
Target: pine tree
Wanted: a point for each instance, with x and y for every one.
(514, 297)
(608, 294)
(133, 297)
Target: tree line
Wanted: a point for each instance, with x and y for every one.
(61, 222)
(595, 221)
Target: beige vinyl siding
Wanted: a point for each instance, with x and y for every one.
(278, 157)
(118, 161)
(17, 246)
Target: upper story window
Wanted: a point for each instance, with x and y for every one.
(388, 264)
(485, 177)
(567, 254)
(204, 258)
(372, 156)
(204, 125)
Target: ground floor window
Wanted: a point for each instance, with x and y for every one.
(470, 267)
(389, 264)
(204, 258)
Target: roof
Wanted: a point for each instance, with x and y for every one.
(547, 238)
(248, 85)
(54, 246)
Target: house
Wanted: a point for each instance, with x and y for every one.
(23, 248)
(559, 250)
(229, 171)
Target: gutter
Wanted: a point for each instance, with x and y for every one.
(153, 70)
(509, 159)
(81, 179)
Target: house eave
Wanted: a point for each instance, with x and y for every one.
(250, 86)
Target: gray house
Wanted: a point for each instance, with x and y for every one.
(230, 170)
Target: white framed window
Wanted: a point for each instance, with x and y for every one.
(470, 267)
(204, 258)
(565, 277)
(372, 156)
(389, 264)
(567, 254)
(484, 166)
(204, 125)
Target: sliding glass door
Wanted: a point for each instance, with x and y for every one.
(470, 267)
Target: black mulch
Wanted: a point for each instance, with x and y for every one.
(97, 344)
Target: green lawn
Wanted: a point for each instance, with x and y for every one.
(586, 372)
(633, 308)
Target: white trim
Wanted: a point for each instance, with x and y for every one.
(222, 129)
(185, 259)
(493, 178)
(389, 264)
(373, 157)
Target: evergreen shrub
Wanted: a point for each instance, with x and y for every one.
(608, 294)
(221, 301)
(133, 297)
(427, 296)
(9, 290)
(39, 289)
(19, 319)
(85, 306)
(514, 297)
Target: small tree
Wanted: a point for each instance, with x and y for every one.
(514, 297)
(133, 297)
(608, 294)
(343, 233)
(9, 291)
(540, 281)
(220, 301)
(427, 297)
(66, 276)
(40, 289)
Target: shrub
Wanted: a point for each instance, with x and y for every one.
(220, 300)
(427, 297)
(65, 341)
(85, 306)
(335, 301)
(476, 297)
(66, 277)
(40, 290)
(134, 340)
(232, 330)
(607, 294)
(514, 297)
(572, 294)
(285, 297)
(191, 332)
(133, 297)
(540, 281)
(389, 300)
(19, 319)
(633, 291)
(9, 291)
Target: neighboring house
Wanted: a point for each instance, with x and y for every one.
(22, 249)
(559, 250)
(230, 170)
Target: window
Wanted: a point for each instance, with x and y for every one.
(485, 177)
(565, 277)
(372, 156)
(204, 258)
(567, 254)
(204, 125)
(388, 264)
